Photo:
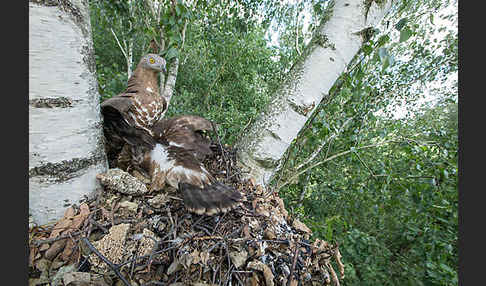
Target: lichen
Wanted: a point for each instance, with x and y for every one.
(47, 3)
(66, 169)
(62, 102)
(366, 34)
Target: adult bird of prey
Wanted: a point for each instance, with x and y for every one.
(177, 160)
(129, 116)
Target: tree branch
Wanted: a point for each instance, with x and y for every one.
(332, 158)
(119, 45)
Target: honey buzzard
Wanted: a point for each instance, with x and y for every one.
(129, 116)
(177, 160)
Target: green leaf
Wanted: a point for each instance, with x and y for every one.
(367, 49)
(171, 53)
(405, 34)
(446, 174)
(401, 23)
(383, 40)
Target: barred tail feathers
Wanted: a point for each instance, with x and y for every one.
(212, 199)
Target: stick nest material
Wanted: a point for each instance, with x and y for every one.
(150, 239)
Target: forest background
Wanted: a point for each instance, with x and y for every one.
(375, 167)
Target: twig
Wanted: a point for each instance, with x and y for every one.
(207, 237)
(222, 150)
(114, 267)
(154, 283)
(238, 277)
(203, 229)
(119, 45)
(217, 224)
(99, 225)
(61, 237)
(364, 164)
(332, 158)
(296, 253)
(148, 255)
(329, 139)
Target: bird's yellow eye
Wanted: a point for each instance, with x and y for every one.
(151, 60)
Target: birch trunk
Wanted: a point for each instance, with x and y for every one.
(65, 130)
(336, 42)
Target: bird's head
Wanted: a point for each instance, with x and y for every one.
(154, 62)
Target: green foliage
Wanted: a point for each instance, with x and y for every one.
(385, 188)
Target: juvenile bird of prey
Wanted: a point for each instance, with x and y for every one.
(176, 160)
(130, 115)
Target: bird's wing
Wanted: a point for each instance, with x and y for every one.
(119, 124)
(185, 132)
(178, 156)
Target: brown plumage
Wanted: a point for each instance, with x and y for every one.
(130, 115)
(176, 160)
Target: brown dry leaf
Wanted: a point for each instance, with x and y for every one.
(334, 277)
(32, 254)
(300, 226)
(252, 181)
(340, 264)
(63, 223)
(174, 267)
(246, 231)
(55, 248)
(186, 260)
(269, 234)
(260, 210)
(44, 247)
(267, 272)
(130, 206)
(293, 282)
(76, 277)
(238, 257)
(195, 257)
(281, 205)
(254, 280)
(204, 257)
(259, 190)
(79, 219)
(254, 203)
(68, 250)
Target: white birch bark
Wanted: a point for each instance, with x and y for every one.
(337, 41)
(65, 132)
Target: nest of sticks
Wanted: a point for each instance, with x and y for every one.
(125, 238)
